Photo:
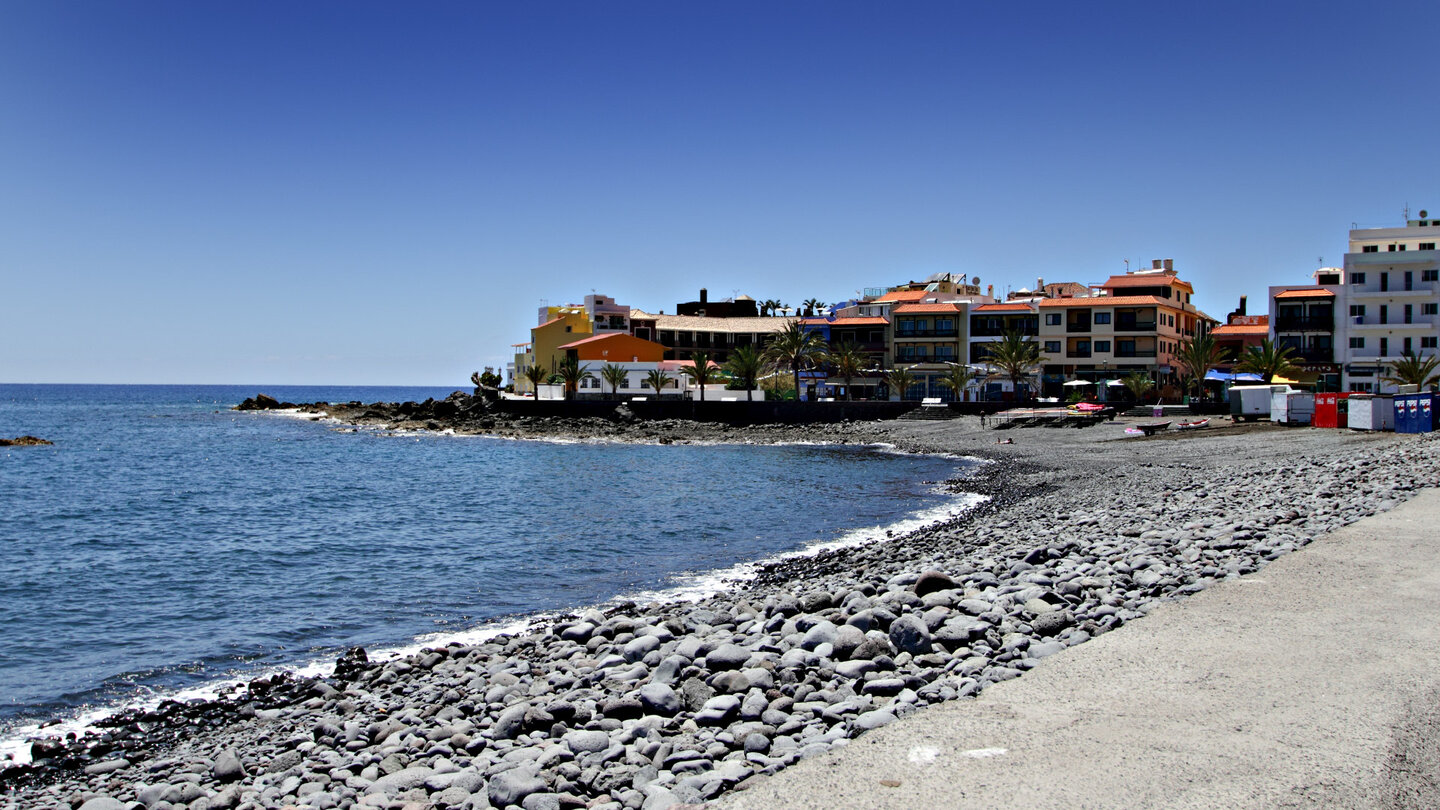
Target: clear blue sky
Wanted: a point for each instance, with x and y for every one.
(372, 193)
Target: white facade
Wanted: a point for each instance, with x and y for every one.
(1391, 301)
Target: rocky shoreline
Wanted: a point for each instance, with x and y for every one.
(654, 705)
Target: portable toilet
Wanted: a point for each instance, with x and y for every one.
(1425, 419)
(1415, 413)
(1402, 418)
(1371, 412)
(1324, 410)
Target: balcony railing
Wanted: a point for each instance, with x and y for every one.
(1135, 326)
(1078, 327)
(1305, 324)
(985, 331)
(1136, 353)
(925, 333)
(1077, 354)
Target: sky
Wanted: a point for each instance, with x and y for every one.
(384, 193)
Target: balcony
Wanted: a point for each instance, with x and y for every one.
(1078, 353)
(1136, 353)
(986, 331)
(926, 333)
(1135, 326)
(1305, 324)
(1077, 327)
(1422, 290)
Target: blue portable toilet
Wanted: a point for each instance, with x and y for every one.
(1426, 413)
(1402, 413)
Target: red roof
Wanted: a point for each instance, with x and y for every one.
(1240, 330)
(1003, 308)
(904, 295)
(927, 309)
(1305, 294)
(1108, 301)
(1146, 280)
(859, 321)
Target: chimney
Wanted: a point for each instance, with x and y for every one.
(1242, 305)
(1170, 265)
(990, 290)
(1039, 285)
(704, 296)
(1156, 264)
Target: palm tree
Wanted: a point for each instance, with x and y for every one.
(572, 372)
(701, 371)
(615, 374)
(848, 360)
(769, 306)
(1267, 360)
(535, 374)
(1138, 383)
(1015, 358)
(794, 348)
(957, 378)
(812, 306)
(1198, 355)
(1417, 371)
(900, 379)
(745, 365)
(658, 379)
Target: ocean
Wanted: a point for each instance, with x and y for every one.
(166, 544)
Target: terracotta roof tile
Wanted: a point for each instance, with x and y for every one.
(1146, 280)
(1108, 301)
(1305, 294)
(1240, 330)
(927, 309)
(905, 295)
(1003, 308)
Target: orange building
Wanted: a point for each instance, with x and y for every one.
(615, 347)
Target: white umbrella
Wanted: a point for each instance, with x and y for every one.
(1077, 382)
(1116, 382)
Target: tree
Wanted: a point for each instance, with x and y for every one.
(957, 378)
(794, 348)
(900, 379)
(535, 374)
(1198, 355)
(658, 379)
(849, 361)
(701, 371)
(571, 372)
(812, 306)
(745, 366)
(768, 306)
(1267, 360)
(1416, 371)
(1138, 383)
(615, 375)
(1015, 358)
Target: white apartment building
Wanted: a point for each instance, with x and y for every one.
(1390, 302)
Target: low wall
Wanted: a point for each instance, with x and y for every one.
(734, 413)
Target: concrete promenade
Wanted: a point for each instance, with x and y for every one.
(1312, 683)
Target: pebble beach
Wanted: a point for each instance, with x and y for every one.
(661, 705)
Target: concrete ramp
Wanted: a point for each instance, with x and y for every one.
(1312, 683)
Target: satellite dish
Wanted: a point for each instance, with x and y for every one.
(1424, 213)
(975, 281)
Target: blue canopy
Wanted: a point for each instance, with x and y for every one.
(1219, 376)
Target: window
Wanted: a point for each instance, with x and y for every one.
(1052, 319)
(1384, 347)
(1409, 280)
(1430, 275)
(1430, 309)
(1409, 311)
(1370, 249)
(944, 324)
(946, 353)
(1102, 317)
(1392, 249)
(1357, 342)
(1357, 278)
(1102, 345)
(1425, 246)
(1384, 313)
(1428, 342)
(1052, 345)
(1358, 310)
(1409, 347)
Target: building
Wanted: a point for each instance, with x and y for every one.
(559, 326)
(636, 356)
(741, 307)
(929, 338)
(1390, 301)
(1305, 319)
(989, 323)
(1134, 322)
(684, 335)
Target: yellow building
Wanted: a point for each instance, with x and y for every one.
(560, 325)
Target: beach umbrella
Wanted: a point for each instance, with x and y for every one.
(1077, 382)
(1115, 382)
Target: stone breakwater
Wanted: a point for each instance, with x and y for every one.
(649, 706)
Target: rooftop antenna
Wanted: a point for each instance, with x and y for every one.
(1407, 210)
(1127, 265)
(1319, 261)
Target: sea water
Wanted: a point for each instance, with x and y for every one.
(166, 543)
